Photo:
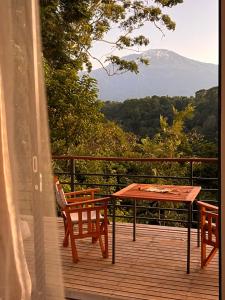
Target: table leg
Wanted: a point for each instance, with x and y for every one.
(114, 231)
(134, 221)
(189, 237)
(198, 229)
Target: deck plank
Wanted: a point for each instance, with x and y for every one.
(153, 267)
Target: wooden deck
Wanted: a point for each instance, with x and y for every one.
(153, 267)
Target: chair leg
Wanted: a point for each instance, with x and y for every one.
(209, 257)
(204, 258)
(66, 238)
(104, 246)
(74, 249)
(94, 239)
(203, 254)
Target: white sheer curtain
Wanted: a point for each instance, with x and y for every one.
(30, 266)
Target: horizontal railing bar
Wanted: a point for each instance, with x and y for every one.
(140, 176)
(96, 184)
(155, 208)
(202, 200)
(150, 208)
(210, 201)
(130, 176)
(147, 159)
(208, 189)
(125, 175)
(154, 219)
(205, 178)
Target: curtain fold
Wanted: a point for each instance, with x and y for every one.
(29, 249)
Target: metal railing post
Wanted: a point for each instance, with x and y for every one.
(191, 183)
(72, 174)
(118, 183)
(191, 173)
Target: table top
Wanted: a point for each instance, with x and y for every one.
(158, 192)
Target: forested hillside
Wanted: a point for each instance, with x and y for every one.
(142, 116)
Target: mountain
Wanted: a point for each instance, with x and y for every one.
(167, 74)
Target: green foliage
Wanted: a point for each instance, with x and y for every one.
(107, 139)
(123, 64)
(205, 120)
(167, 143)
(73, 107)
(76, 123)
(142, 116)
(70, 27)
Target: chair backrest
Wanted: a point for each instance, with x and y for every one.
(84, 214)
(209, 219)
(64, 199)
(209, 222)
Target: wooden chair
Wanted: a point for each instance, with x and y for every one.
(209, 221)
(84, 216)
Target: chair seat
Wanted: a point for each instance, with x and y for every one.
(74, 217)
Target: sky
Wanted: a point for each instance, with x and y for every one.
(195, 36)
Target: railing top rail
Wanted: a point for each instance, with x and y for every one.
(145, 159)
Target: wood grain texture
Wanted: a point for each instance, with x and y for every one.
(152, 268)
(178, 193)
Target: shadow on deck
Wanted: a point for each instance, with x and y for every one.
(153, 267)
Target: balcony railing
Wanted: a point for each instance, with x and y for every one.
(113, 173)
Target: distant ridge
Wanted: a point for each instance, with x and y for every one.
(167, 74)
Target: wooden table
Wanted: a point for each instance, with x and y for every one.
(156, 192)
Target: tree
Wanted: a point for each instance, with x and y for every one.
(168, 142)
(141, 116)
(70, 27)
(73, 109)
(205, 120)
